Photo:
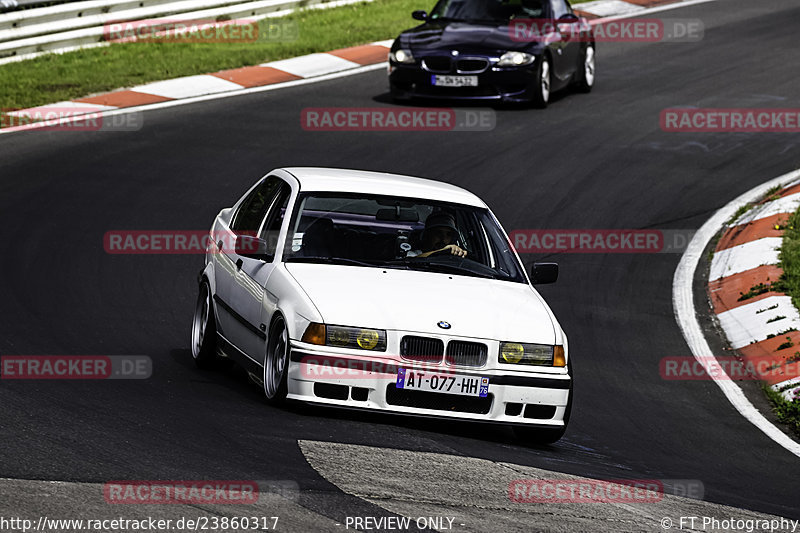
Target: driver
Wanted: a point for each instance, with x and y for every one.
(439, 235)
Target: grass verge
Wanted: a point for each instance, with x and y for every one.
(789, 282)
(56, 77)
(790, 258)
(788, 412)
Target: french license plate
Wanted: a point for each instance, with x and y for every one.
(454, 81)
(445, 383)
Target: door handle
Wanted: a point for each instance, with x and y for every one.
(239, 264)
(219, 245)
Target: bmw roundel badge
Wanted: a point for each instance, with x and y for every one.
(444, 325)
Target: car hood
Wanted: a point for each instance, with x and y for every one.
(416, 301)
(464, 37)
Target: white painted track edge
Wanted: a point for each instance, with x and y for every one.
(686, 315)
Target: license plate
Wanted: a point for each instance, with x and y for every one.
(445, 383)
(454, 81)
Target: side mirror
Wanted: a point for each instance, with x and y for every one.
(420, 15)
(252, 247)
(569, 18)
(542, 273)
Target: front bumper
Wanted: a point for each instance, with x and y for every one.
(501, 84)
(324, 377)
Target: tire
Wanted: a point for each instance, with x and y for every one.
(541, 89)
(531, 435)
(586, 70)
(276, 363)
(204, 330)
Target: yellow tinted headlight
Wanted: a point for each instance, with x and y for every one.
(338, 337)
(511, 352)
(521, 353)
(368, 339)
(359, 338)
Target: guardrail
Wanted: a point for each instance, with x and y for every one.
(64, 27)
(10, 5)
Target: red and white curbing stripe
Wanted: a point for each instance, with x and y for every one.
(297, 68)
(764, 328)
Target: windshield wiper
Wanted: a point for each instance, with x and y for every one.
(329, 260)
(443, 268)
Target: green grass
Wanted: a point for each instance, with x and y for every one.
(788, 412)
(790, 259)
(56, 77)
(789, 282)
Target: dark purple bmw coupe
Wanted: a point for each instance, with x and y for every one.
(505, 50)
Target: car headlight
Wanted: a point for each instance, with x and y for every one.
(345, 337)
(515, 59)
(520, 353)
(402, 56)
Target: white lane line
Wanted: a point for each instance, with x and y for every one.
(312, 65)
(755, 322)
(387, 43)
(647, 11)
(686, 314)
(188, 86)
(217, 96)
(605, 8)
(743, 257)
(68, 106)
(786, 204)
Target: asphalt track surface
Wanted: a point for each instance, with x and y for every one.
(588, 161)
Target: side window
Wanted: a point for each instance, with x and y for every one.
(271, 230)
(560, 8)
(252, 210)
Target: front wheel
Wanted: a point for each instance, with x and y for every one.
(204, 330)
(585, 79)
(541, 87)
(276, 363)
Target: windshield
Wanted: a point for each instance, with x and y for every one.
(395, 232)
(491, 10)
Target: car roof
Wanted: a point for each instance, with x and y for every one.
(367, 182)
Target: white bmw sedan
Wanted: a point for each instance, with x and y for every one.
(385, 292)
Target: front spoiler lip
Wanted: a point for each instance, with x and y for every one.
(439, 416)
